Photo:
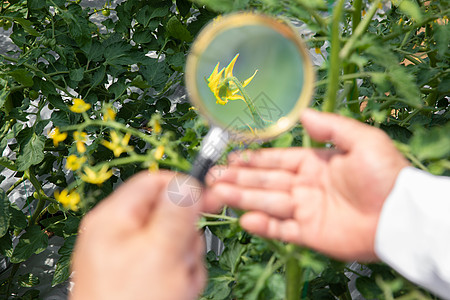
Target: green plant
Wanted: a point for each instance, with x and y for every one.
(108, 94)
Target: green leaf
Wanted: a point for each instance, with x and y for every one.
(3, 96)
(148, 12)
(156, 73)
(368, 288)
(34, 240)
(431, 144)
(18, 219)
(5, 162)
(231, 256)
(98, 77)
(31, 149)
(283, 141)
(178, 30)
(219, 282)
(62, 271)
(142, 37)
(184, 6)
(28, 280)
(22, 76)
(442, 36)
(409, 8)
(6, 246)
(76, 74)
(5, 216)
(27, 26)
(405, 86)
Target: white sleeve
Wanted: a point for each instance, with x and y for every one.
(413, 233)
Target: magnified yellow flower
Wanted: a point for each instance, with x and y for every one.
(80, 139)
(222, 87)
(79, 106)
(68, 200)
(118, 144)
(93, 177)
(57, 136)
(159, 152)
(109, 114)
(74, 162)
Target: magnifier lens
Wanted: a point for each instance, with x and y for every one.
(250, 72)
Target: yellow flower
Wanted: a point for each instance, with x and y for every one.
(156, 126)
(57, 136)
(80, 138)
(317, 49)
(109, 115)
(221, 86)
(363, 12)
(118, 145)
(153, 167)
(79, 106)
(159, 152)
(68, 200)
(74, 162)
(93, 177)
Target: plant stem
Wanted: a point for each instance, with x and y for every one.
(352, 68)
(293, 274)
(22, 179)
(362, 27)
(251, 106)
(41, 200)
(334, 68)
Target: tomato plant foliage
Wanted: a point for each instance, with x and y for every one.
(126, 61)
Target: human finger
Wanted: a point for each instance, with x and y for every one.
(130, 206)
(344, 132)
(255, 178)
(266, 226)
(175, 223)
(276, 203)
(287, 159)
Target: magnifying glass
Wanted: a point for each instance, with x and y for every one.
(249, 75)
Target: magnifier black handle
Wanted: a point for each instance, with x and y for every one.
(213, 146)
(201, 167)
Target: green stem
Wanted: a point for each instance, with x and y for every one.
(41, 200)
(251, 106)
(293, 274)
(22, 179)
(224, 217)
(359, 31)
(334, 64)
(352, 68)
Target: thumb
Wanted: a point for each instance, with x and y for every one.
(344, 132)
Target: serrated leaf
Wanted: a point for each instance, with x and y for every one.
(33, 241)
(156, 73)
(4, 213)
(178, 30)
(431, 144)
(184, 6)
(62, 271)
(18, 219)
(147, 13)
(31, 150)
(368, 288)
(27, 25)
(76, 74)
(6, 246)
(405, 86)
(22, 76)
(409, 8)
(28, 280)
(3, 96)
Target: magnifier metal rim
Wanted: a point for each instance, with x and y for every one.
(204, 39)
